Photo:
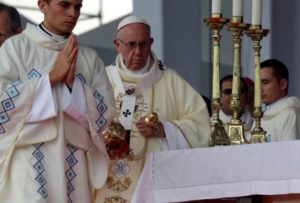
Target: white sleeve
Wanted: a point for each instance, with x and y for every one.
(174, 138)
(43, 105)
(74, 104)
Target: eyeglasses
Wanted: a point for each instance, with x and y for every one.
(131, 45)
(229, 91)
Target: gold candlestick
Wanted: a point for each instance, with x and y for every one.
(256, 33)
(218, 135)
(235, 126)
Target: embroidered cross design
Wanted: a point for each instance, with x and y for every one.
(126, 113)
(130, 91)
(160, 65)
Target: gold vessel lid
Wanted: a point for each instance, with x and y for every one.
(152, 120)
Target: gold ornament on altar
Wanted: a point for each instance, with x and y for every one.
(256, 33)
(216, 22)
(218, 134)
(115, 140)
(236, 126)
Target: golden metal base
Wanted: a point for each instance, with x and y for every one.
(236, 133)
(258, 134)
(218, 135)
(235, 126)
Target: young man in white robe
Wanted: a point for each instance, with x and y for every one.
(142, 85)
(225, 99)
(281, 119)
(56, 100)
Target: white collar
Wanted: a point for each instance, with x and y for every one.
(51, 35)
(269, 106)
(144, 81)
(37, 36)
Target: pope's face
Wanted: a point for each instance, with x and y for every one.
(60, 16)
(134, 43)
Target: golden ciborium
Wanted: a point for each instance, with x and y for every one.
(152, 120)
(115, 140)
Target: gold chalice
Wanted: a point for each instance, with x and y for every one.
(115, 142)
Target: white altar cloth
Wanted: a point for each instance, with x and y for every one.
(220, 172)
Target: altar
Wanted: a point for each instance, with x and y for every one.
(220, 172)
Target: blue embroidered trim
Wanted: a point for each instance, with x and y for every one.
(39, 168)
(98, 96)
(17, 82)
(81, 78)
(101, 107)
(8, 103)
(70, 173)
(34, 74)
(12, 92)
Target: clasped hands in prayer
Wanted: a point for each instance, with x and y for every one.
(65, 64)
(150, 132)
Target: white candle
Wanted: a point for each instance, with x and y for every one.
(256, 12)
(216, 6)
(237, 8)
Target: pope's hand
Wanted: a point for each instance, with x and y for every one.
(150, 132)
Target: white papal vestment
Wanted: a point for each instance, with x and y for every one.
(180, 108)
(50, 148)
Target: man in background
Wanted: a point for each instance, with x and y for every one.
(10, 22)
(225, 99)
(281, 117)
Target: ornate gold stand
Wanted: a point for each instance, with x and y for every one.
(236, 128)
(256, 33)
(218, 135)
(258, 135)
